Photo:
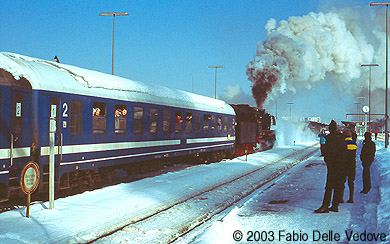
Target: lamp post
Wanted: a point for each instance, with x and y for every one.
(387, 67)
(369, 93)
(357, 111)
(216, 67)
(290, 110)
(113, 14)
(362, 104)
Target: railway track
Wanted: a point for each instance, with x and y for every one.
(167, 226)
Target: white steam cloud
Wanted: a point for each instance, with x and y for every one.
(235, 95)
(301, 52)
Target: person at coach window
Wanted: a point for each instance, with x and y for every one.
(367, 156)
(334, 157)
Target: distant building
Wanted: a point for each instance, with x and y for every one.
(313, 119)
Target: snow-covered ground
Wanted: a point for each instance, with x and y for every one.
(286, 205)
(283, 212)
(86, 216)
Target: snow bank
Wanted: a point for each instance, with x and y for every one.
(382, 166)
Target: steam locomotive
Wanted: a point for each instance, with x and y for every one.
(102, 124)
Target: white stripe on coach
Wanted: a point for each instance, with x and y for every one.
(142, 154)
(25, 151)
(85, 148)
(16, 152)
(212, 139)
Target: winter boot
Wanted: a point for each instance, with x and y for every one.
(322, 209)
(334, 208)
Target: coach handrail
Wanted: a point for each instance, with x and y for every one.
(61, 143)
(11, 150)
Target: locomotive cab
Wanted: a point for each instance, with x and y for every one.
(253, 129)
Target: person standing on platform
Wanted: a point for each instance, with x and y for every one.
(354, 136)
(350, 166)
(322, 136)
(367, 156)
(334, 155)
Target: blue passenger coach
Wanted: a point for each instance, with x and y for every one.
(104, 123)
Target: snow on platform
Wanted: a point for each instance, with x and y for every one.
(283, 212)
(286, 206)
(86, 216)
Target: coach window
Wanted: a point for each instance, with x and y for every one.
(212, 122)
(75, 117)
(166, 121)
(219, 123)
(188, 122)
(197, 122)
(99, 118)
(18, 113)
(138, 120)
(225, 124)
(178, 121)
(153, 120)
(206, 118)
(120, 118)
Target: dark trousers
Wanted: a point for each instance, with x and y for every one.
(350, 173)
(322, 149)
(334, 185)
(328, 196)
(366, 178)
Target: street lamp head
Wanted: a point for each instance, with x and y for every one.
(114, 14)
(380, 4)
(363, 65)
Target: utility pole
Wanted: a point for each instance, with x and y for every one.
(369, 93)
(387, 70)
(113, 14)
(216, 67)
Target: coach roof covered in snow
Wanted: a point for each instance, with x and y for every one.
(52, 76)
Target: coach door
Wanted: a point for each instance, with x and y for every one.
(20, 133)
(52, 141)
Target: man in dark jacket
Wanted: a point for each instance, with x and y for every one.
(334, 155)
(367, 156)
(350, 167)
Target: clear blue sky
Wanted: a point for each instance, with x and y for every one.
(162, 42)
